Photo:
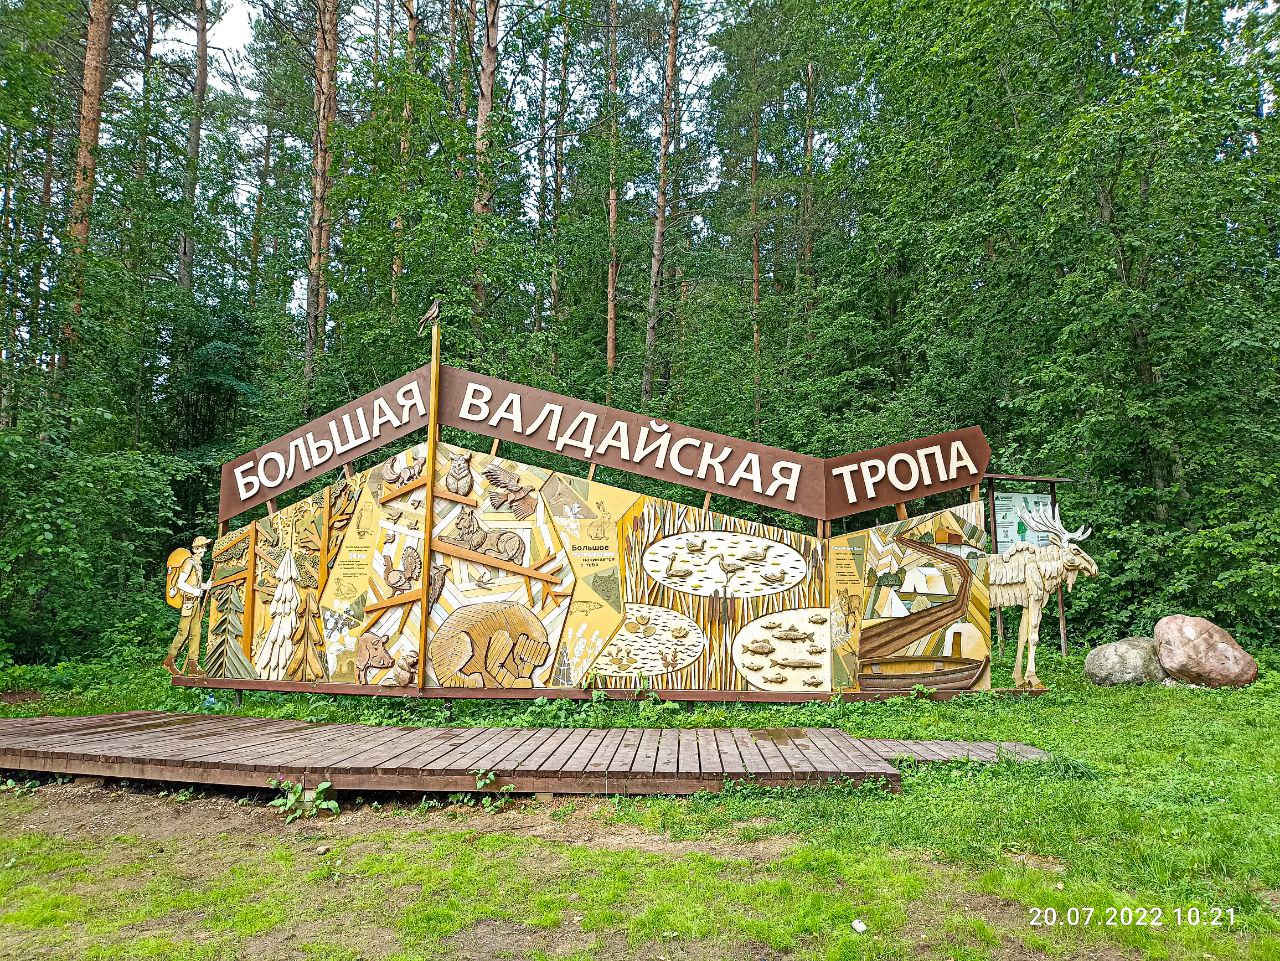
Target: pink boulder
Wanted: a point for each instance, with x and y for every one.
(1198, 651)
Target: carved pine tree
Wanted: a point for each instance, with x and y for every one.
(225, 657)
(308, 660)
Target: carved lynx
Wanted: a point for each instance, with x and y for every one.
(506, 545)
(492, 644)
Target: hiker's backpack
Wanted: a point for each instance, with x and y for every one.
(173, 567)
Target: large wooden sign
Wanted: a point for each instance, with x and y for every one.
(824, 488)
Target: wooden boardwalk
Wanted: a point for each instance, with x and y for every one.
(248, 752)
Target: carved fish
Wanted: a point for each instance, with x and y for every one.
(753, 665)
(816, 649)
(796, 662)
(812, 682)
(771, 626)
(791, 634)
(817, 618)
(776, 678)
(759, 647)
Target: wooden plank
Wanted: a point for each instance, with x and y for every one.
(430, 753)
(773, 758)
(543, 751)
(821, 764)
(89, 742)
(646, 752)
(730, 754)
(708, 753)
(412, 742)
(498, 757)
(603, 757)
(581, 757)
(488, 560)
(539, 737)
(752, 759)
(180, 750)
(466, 759)
(556, 762)
(667, 760)
(624, 757)
(342, 749)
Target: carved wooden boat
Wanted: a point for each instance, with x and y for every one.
(903, 673)
(892, 635)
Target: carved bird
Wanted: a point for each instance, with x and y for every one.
(756, 555)
(677, 573)
(401, 578)
(695, 547)
(436, 584)
(773, 577)
(506, 491)
(729, 567)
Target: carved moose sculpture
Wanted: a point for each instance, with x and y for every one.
(1027, 575)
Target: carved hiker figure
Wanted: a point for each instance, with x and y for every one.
(184, 589)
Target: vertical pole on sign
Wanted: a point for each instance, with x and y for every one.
(1062, 609)
(995, 549)
(429, 518)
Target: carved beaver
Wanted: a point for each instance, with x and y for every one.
(492, 644)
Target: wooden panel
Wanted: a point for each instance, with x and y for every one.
(246, 751)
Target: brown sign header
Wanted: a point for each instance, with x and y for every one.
(799, 483)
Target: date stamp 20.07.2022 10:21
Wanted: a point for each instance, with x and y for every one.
(1125, 917)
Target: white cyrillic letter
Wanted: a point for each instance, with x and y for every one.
(960, 457)
(846, 473)
(475, 405)
(383, 414)
(352, 439)
(872, 474)
(510, 410)
(659, 446)
(894, 462)
(587, 443)
(619, 436)
(936, 451)
(262, 469)
(318, 445)
(410, 395)
(713, 463)
(297, 447)
(679, 445)
(556, 410)
(749, 469)
(791, 479)
(243, 482)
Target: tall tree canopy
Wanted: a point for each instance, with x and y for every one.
(823, 226)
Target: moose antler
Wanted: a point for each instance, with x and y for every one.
(1051, 524)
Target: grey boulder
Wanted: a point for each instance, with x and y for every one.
(1197, 651)
(1131, 661)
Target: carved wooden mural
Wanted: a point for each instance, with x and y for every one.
(537, 580)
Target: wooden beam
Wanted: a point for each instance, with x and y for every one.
(902, 511)
(493, 448)
(488, 560)
(271, 506)
(428, 515)
(250, 595)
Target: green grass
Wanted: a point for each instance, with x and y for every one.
(1155, 797)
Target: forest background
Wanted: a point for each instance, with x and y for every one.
(825, 226)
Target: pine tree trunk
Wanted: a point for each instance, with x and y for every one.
(259, 211)
(97, 41)
(187, 245)
(611, 297)
(410, 52)
(483, 205)
(806, 198)
(326, 107)
(557, 180)
(660, 219)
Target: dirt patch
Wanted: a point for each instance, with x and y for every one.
(1040, 862)
(487, 940)
(156, 813)
(941, 925)
(20, 697)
